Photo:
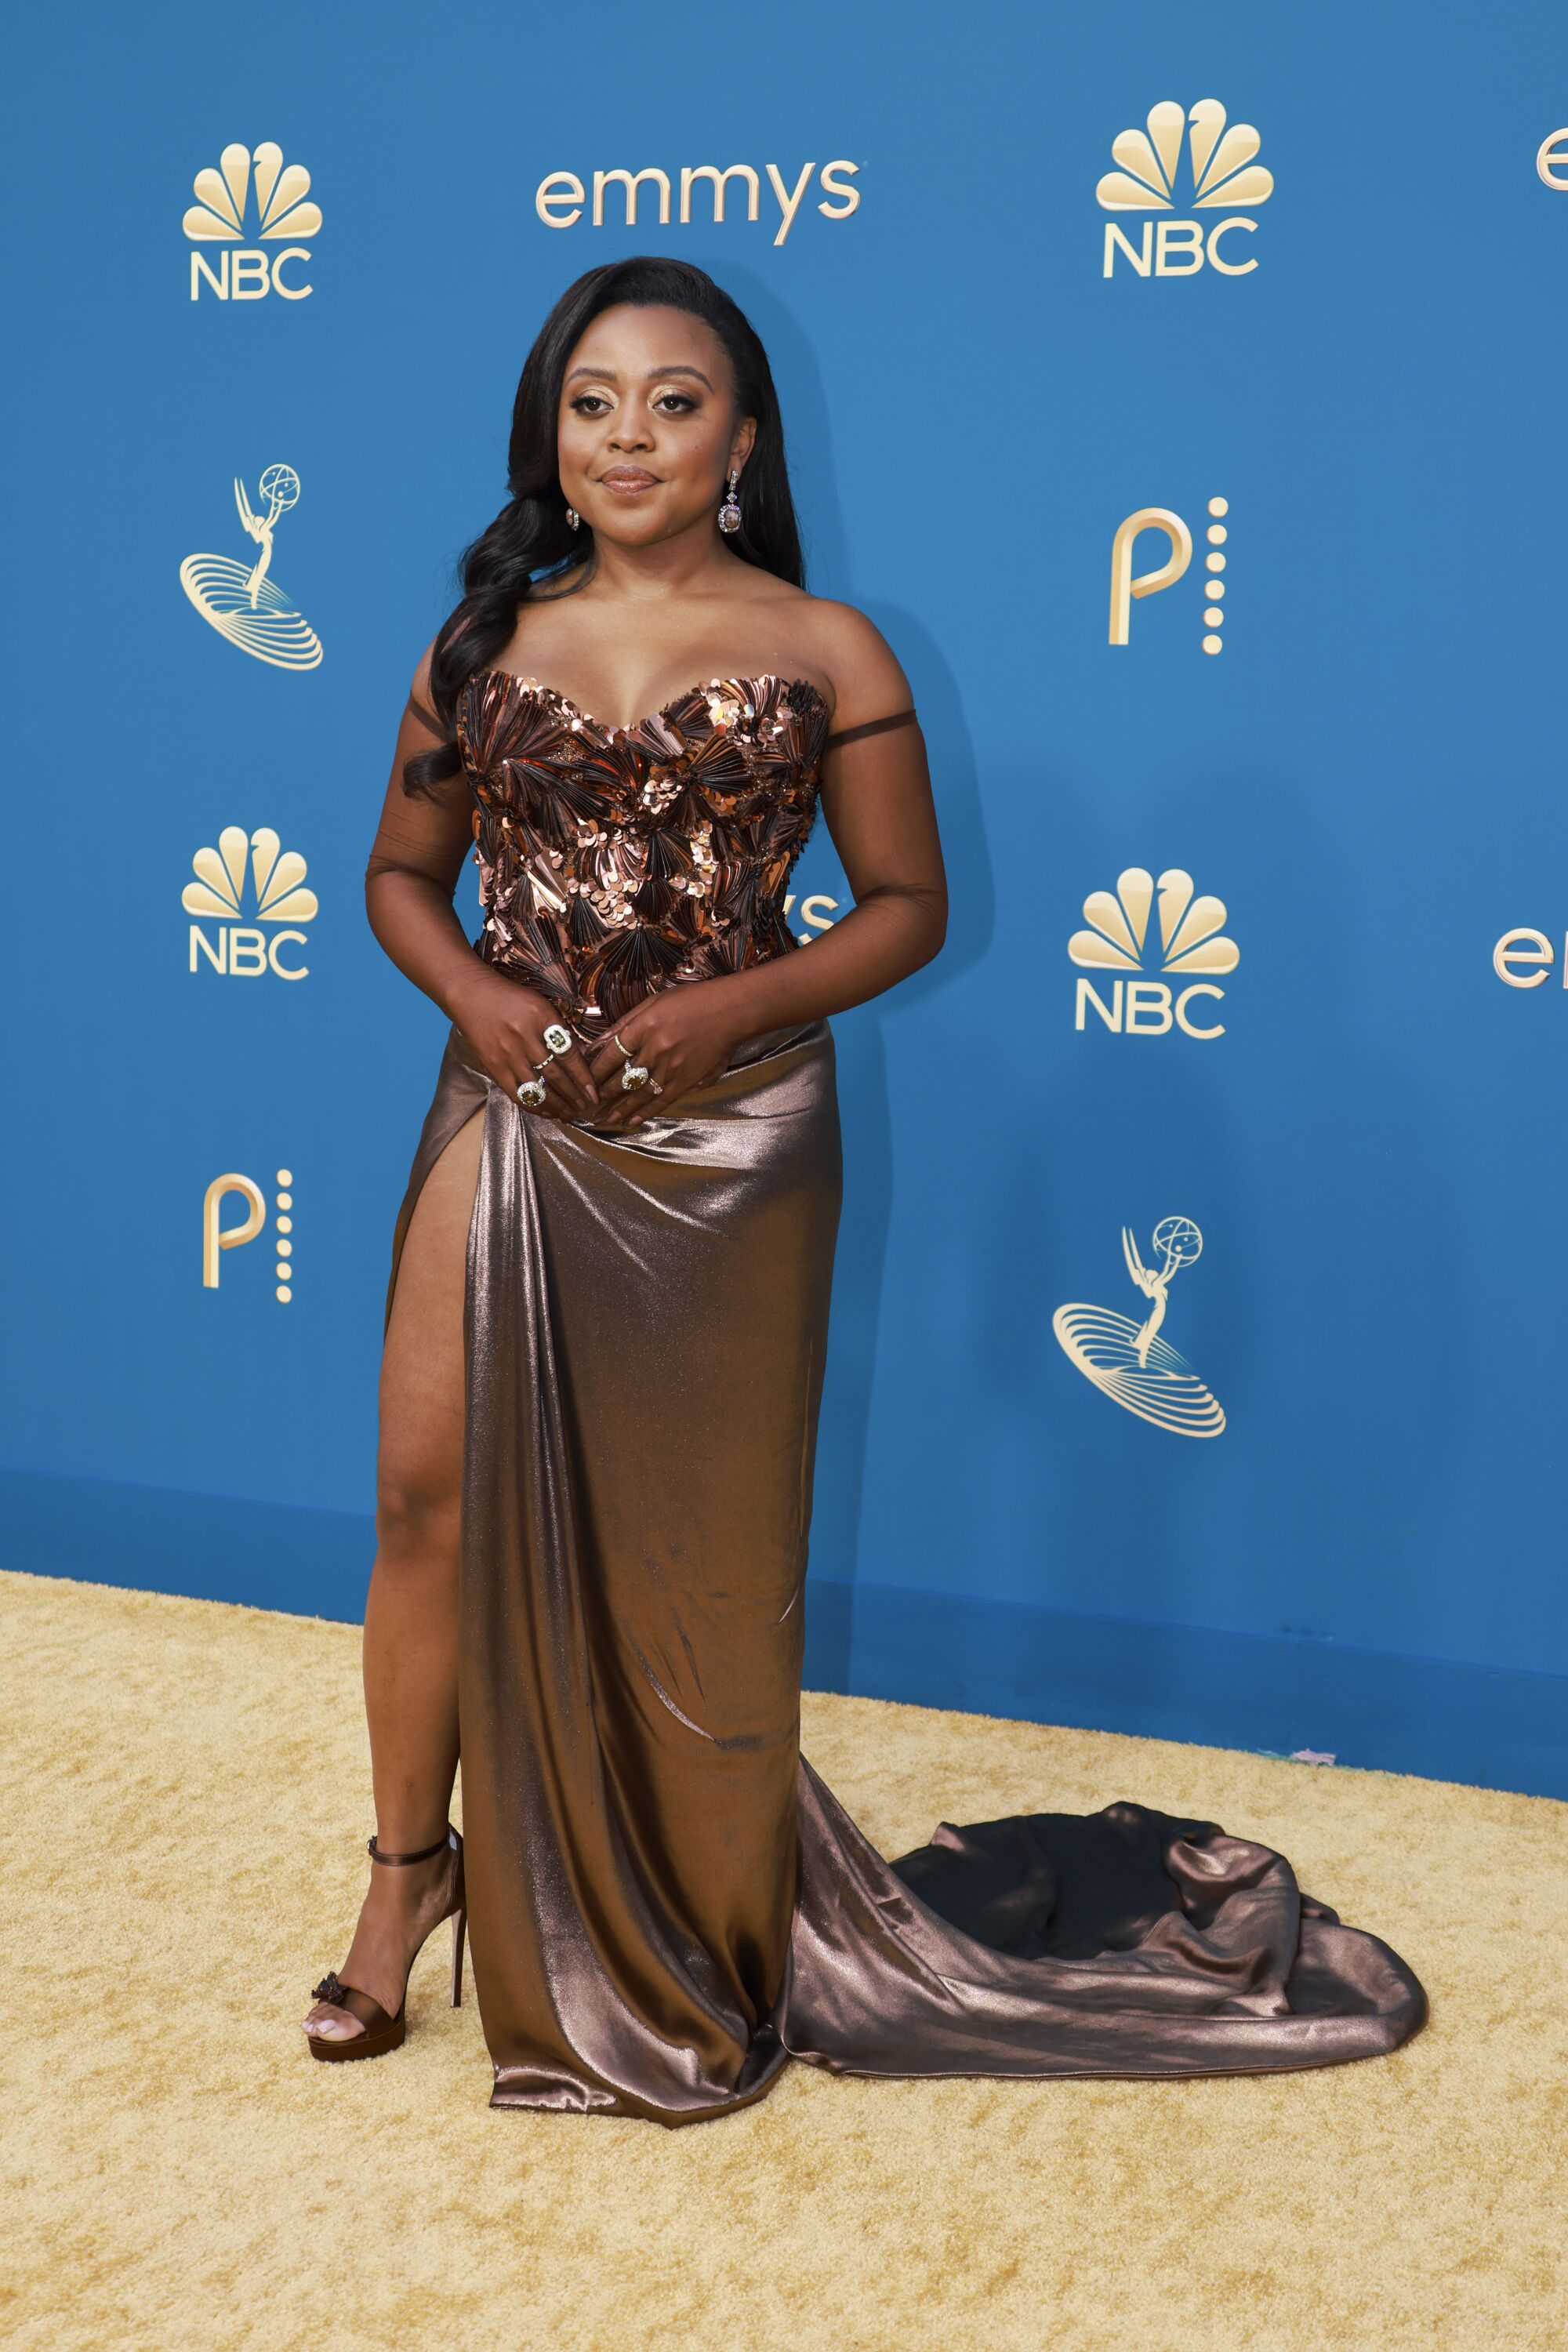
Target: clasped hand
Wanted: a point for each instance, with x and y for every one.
(682, 1036)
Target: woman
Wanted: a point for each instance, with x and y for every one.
(606, 1323)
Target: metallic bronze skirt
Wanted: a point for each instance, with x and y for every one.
(665, 1902)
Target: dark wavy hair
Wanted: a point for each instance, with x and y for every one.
(529, 543)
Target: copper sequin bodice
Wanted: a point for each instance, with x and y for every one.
(615, 861)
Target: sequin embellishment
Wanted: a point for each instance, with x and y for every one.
(614, 862)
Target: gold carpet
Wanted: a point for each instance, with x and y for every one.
(185, 1817)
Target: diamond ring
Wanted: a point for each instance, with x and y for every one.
(632, 1076)
(558, 1038)
(530, 1094)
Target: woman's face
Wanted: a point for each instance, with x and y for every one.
(649, 430)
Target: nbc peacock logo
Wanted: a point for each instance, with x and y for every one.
(254, 867)
(242, 601)
(261, 196)
(1190, 946)
(1131, 1362)
(1222, 175)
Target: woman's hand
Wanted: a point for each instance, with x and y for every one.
(501, 1025)
(683, 1035)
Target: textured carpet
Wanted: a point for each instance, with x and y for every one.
(186, 1802)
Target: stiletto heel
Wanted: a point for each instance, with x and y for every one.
(459, 1936)
(383, 2031)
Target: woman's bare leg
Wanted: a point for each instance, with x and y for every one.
(411, 1616)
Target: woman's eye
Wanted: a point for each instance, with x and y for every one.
(675, 403)
(590, 404)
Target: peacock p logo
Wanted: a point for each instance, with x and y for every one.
(257, 867)
(218, 1237)
(1223, 176)
(259, 194)
(1190, 945)
(1127, 585)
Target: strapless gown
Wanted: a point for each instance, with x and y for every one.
(665, 1904)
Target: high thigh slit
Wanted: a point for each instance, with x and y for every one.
(666, 1903)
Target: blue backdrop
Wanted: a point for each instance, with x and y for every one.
(991, 350)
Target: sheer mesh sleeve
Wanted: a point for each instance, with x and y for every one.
(877, 800)
(415, 863)
(871, 727)
(422, 835)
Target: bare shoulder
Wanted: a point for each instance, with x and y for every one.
(866, 677)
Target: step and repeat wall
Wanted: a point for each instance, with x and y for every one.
(1184, 402)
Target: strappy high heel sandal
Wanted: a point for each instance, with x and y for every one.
(382, 2032)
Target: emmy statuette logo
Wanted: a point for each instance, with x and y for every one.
(1129, 1362)
(1224, 177)
(239, 950)
(281, 214)
(1127, 586)
(217, 1237)
(1189, 942)
(560, 198)
(241, 601)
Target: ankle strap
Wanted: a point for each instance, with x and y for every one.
(396, 1861)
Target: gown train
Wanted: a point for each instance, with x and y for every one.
(664, 1901)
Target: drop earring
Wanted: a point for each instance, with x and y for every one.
(573, 519)
(730, 512)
